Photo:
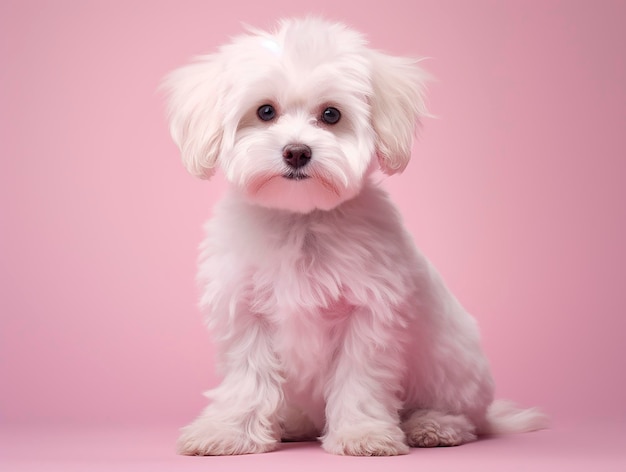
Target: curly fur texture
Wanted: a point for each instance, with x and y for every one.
(328, 321)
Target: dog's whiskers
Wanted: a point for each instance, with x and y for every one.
(327, 183)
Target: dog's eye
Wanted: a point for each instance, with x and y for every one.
(331, 115)
(266, 112)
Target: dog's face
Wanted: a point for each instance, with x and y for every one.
(296, 119)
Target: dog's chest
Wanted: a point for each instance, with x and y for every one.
(300, 283)
(301, 267)
(307, 341)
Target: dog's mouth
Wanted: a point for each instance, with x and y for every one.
(296, 176)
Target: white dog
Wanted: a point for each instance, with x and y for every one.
(328, 321)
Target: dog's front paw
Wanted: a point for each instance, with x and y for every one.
(388, 442)
(207, 438)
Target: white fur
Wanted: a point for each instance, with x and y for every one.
(328, 320)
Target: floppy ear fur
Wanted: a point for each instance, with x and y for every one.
(195, 121)
(397, 106)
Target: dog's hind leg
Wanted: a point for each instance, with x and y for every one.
(430, 428)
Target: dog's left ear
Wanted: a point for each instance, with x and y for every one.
(397, 106)
(194, 113)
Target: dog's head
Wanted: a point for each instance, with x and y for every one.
(298, 118)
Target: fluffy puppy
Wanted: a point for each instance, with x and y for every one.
(328, 321)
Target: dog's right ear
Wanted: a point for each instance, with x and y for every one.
(397, 107)
(195, 121)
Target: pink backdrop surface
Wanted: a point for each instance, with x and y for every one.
(517, 192)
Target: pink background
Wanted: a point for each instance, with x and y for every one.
(517, 192)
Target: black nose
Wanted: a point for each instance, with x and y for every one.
(296, 155)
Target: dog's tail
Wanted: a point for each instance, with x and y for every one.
(504, 417)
